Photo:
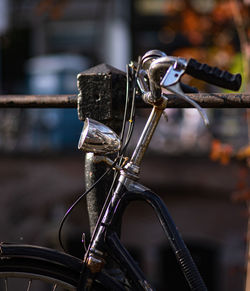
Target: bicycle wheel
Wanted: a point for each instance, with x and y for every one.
(24, 267)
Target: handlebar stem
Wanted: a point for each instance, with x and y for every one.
(147, 133)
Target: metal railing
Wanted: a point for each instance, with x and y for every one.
(100, 90)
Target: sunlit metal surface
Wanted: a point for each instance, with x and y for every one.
(98, 138)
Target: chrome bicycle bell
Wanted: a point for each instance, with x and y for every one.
(98, 138)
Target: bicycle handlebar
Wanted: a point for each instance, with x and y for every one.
(213, 75)
(156, 62)
(159, 71)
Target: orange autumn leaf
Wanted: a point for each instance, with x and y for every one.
(215, 150)
(241, 196)
(220, 152)
(244, 153)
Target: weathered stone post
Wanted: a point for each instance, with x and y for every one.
(101, 97)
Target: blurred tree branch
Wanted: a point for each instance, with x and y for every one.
(240, 13)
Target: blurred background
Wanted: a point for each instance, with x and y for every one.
(44, 44)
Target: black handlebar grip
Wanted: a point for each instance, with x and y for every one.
(213, 75)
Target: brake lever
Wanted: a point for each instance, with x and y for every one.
(171, 82)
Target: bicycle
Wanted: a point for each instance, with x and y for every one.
(147, 80)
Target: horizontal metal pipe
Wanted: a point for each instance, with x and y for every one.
(38, 101)
(205, 100)
(212, 100)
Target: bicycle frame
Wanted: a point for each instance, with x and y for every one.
(106, 240)
(154, 73)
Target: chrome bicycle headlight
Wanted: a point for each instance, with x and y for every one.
(98, 138)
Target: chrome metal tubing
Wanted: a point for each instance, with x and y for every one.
(162, 64)
(147, 134)
(157, 70)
